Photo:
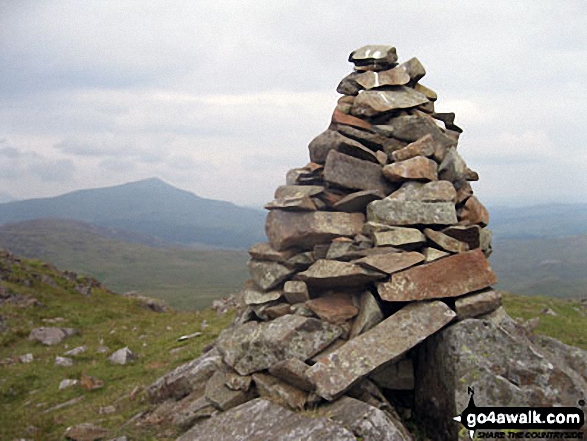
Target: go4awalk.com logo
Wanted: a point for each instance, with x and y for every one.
(522, 422)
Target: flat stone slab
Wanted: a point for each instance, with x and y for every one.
(336, 307)
(374, 53)
(333, 273)
(447, 277)
(268, 274)
(446, 242)
(369, 315)
(422, 147)
(307, 229)
(329, 140)
(261, 419)
(394, 212)
(477, 304)
(401, 237)
(253, 295)
(418, 168)
(293, 371)
(369, 103)
(357, 358)
(285, 191)
(358, 201)
(392, 262)
(397, 76)
(255, 346)
(436, 191)
(264, 251)
(353, 173)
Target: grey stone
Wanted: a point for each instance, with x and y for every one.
(374, 54)
(333, 140)
(369, 315)
(348, 85)
(299, 202)
(76, 351)
(254, 346)
(296, 291)
(393, 212)
(332, 273)
(85, 432)
(474, 305)
(369, 138)
(26, 358)
(189, 411)
(365, 421)
(51, 336)
(369, 103)
(436, 191)
(501, 365)
(453, 168)
(306, 229)
(253, 295)
(63, 361)
(392, 262)
(414, 69)
(432, 254)
(186, 378)
(221, 396)
(422, 147)
(400, 237)
(285, 191)
(397, 76)
(122, 356)
(358, 201)
(261, 419)
(357, 358)
(293, 371)
(446, 242)
(268, 275)
(68, 383)
(280, 392)
(356, 174)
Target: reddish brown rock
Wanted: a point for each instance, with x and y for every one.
(306, 229)
(349, 172)
(334, 307)
(339, 117)
(332, 273)
(474, 212)
(418, 168)
(357, 358)
(422, 147)
(448, 277)
(470, 234)
(392, 262)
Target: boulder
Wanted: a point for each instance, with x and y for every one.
(51, 336)
(261, 419)
(393, 212)
(501, 365)
(306, 229)
(255, 346)
(296, 291)
(122, 356)
(357, 358)
(332, 273)
(223, 397)
(448, 277)
(355, 174)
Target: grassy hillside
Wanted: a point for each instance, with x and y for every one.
(150, 207)
(185, 278)
(555, 267)
(29, 392)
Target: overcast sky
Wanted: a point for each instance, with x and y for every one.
(222, 97)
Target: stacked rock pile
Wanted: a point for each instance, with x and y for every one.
(374, 247)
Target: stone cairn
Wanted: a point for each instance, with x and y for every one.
(374, 247)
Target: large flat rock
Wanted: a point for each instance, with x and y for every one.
(333, 273)
(447, 277)
(397, 212)
(261, 419)
(369, 103)
(287, 229)
(357, 358)
(255, 346)
(353, 173)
